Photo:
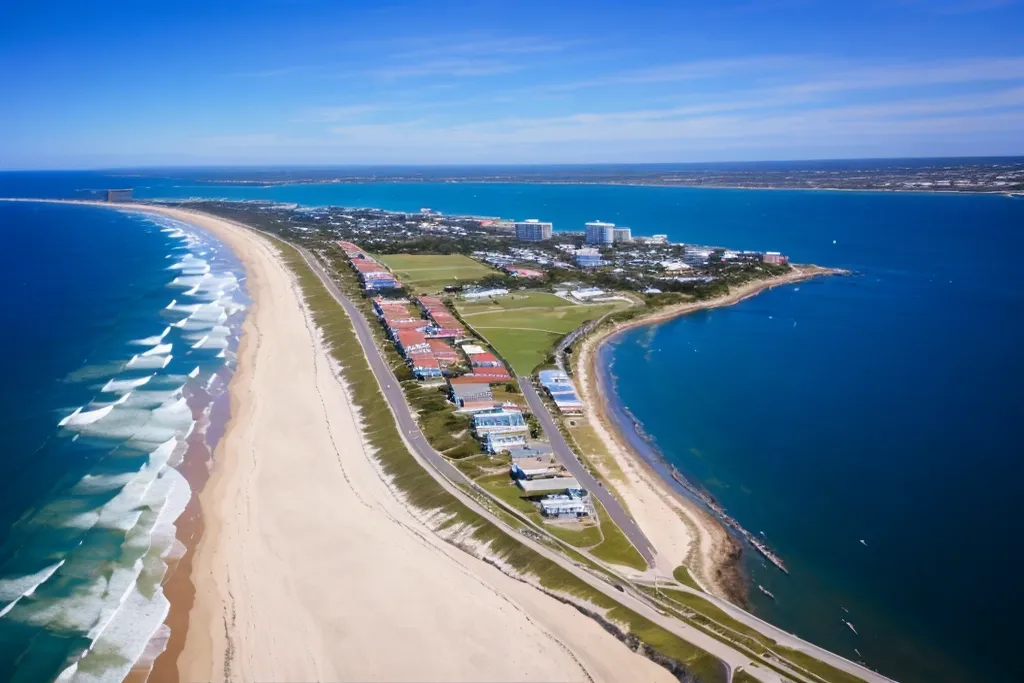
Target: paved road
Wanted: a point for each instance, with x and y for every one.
(568, 458)
(447, 475)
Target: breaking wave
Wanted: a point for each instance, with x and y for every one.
(81, 571)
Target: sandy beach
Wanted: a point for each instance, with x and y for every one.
(682, 532)
(310, 567)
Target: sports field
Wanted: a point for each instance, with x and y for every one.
(524, 328)
(430, 273)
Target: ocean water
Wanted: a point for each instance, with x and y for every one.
(120, 332)
(884, 406)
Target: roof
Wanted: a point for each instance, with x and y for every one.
(411, 337)
(466, 391)
(465, 379)
(553, 376)
(484, 358)
(473, 348)
(531, 450)
(544, 485)
(534, 463)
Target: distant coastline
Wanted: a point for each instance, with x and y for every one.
(610, 183)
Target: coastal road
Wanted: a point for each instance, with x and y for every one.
(568, 458)
(449, 475)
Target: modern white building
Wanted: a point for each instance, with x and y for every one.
(564, 506)
(622, 235)
(478, 294)
(533, 230)
(588, 258)
(500, 422)
(600, 233)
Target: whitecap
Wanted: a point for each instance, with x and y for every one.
(151, 341)
(87, 417)
(159, 350)
(148, 362)
(118, 385)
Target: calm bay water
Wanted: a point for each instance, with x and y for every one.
(883, 406)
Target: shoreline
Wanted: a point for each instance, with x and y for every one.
(608, 183)
(709, 551)
(291, 407)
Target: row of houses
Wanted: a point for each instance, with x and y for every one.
(560, 387)
(374, 276)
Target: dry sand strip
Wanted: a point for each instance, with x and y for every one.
(311, 568)
(681, 531)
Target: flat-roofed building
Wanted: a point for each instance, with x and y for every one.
(588, 258)
(496, 443)
(600, 233)
(551, 485)
(774, 258)
(500, 422)
(565, 506)
(531, 468)
(463, 393)
(622, 235)
(484, 360)
(533, 230)
(533, 449)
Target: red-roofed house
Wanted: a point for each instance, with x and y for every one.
(516, 271)
(484, 360)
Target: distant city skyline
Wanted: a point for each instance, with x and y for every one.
(332, 83)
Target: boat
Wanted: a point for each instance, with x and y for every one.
(851, 627)
(864, 543)
(765, 591)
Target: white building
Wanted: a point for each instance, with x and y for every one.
(622, 235)
(588, 258)
(564, 506)
(483, 294)
(533, 230)
(600, 233)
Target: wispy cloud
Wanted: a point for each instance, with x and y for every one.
(346, 112)
(453, 67)
(271, 72)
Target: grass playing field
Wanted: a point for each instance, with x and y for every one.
(430, 273)
(525, 327)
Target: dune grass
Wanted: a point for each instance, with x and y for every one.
(426, 493)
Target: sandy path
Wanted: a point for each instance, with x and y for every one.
(310, 567)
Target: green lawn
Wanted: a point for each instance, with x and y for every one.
(512, 301)
(615, 547)
(526, 330)
(432, 272)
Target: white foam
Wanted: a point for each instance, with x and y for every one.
(87, 417)
(13, 590)
(142, 362)
(159, 350)
(119, 385)
(151, 341)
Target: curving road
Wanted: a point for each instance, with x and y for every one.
(448, 476)
(568, 458)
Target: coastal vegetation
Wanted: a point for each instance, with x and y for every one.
(423, 491)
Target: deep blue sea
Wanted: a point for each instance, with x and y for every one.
(883, 407)
(119, 333)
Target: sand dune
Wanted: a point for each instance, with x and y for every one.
(311, 568)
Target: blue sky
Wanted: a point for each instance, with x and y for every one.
(310, 82)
